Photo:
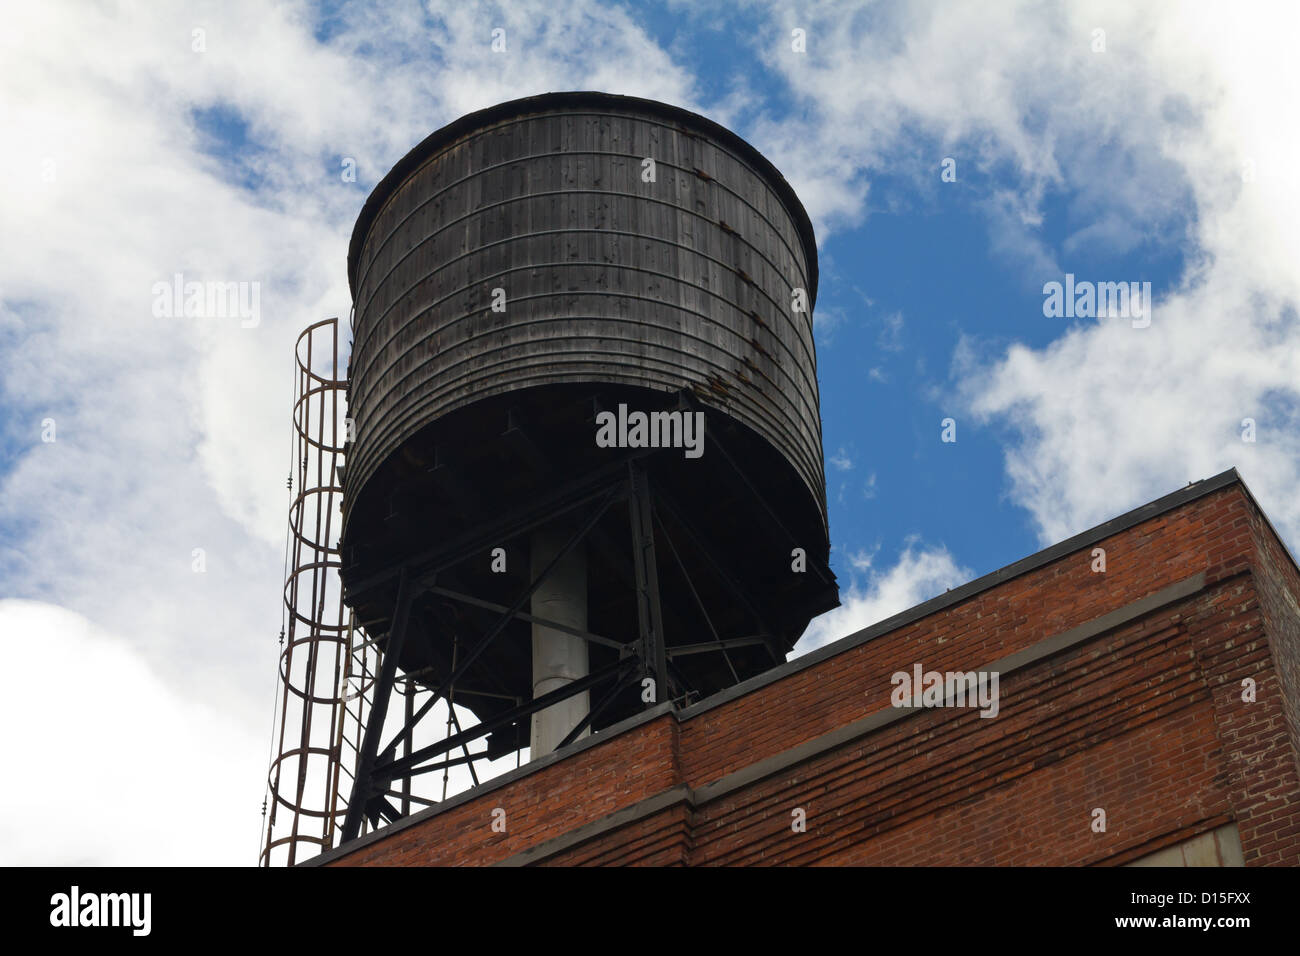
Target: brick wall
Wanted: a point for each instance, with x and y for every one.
(585, 787)
(1142, 717)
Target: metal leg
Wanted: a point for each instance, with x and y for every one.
(649, 613)
(361, 786)
(507, 616)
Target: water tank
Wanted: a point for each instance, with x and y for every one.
(521, 276)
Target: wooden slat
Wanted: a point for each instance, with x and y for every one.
(608, 279)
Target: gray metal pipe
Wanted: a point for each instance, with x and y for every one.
(558, 658)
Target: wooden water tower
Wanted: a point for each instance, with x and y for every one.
(525, 276)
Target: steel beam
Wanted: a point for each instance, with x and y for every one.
(396, 768)
(728, 578)
(523, 616)
(362, 784)
(484, 642)
(540, 511)
(649, 613)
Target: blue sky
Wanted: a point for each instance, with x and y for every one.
(899, 290)
(910, 284)
(207, 139)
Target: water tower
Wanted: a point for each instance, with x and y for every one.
(585, 474)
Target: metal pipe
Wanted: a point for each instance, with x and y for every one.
(558, 657)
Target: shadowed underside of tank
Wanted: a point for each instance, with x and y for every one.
(517, 274)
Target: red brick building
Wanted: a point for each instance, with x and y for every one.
(1162, 692)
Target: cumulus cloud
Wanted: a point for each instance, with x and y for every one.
(119, 172)
(1109, 415)
(209, 140)
(123, 767)
(1174, 136)
(919, 574)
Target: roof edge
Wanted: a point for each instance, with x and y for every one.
(1152, 509)
(487, 786)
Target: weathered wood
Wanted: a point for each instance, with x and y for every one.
(682, 282)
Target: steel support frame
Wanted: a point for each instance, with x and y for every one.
(362, 783)
(646, 656)
(651, 647)
(728, 578)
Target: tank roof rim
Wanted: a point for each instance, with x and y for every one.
(546, 102)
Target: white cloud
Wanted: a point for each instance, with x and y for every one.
(114, 765)
(919, 574)
(1146, 143)
(1109, 415)
(172, 434)
(890, 338)
(827, 320)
